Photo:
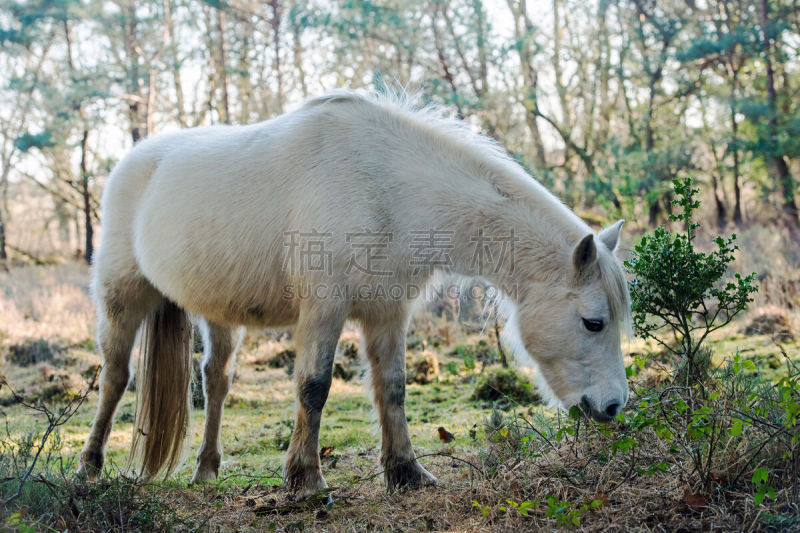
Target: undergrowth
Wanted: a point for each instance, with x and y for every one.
(719, 442)
(708, 447)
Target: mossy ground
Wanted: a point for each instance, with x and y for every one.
(258, 421)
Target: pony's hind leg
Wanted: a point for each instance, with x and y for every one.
(386, 344)
(221, 344)
(121, 307)
(317, 334)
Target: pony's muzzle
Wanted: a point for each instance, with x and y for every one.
(604, 412)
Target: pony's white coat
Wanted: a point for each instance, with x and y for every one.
(202, 217)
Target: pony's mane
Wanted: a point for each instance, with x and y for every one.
(429, 119)
(615, 285)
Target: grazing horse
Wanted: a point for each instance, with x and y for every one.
(343, 209)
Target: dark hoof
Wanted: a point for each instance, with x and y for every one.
(203, 475)
(407, 475)
(90, 466)
(303, 482)
(207, 468)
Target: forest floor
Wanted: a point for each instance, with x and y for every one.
(47, 353)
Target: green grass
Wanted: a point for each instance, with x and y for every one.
(260, 409)
(259, 414)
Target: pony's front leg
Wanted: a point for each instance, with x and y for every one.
(386, 345)
(317, 334)
(221, 344)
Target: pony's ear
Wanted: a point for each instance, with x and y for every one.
(610, 235)
(584, 255)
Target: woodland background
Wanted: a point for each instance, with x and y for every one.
(612, 104)
(604, 101)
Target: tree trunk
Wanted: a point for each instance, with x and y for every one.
(737, 193)
(180, 112)
(298, 57)
(603, 66)
(557, 69)
(244, 86)
(134, 84)
(649, 134)
(448, 75)
(4, 203)
(3, 253)
(276, 43)
(225, 109)
(776, 161)
(654, 211)
(722, 212)
(87, 201)
(523, 29)
(480, 30)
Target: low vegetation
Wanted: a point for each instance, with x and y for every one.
(708, 440)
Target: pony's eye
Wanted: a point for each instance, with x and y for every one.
(593, 324)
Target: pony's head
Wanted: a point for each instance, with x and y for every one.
(572, 326)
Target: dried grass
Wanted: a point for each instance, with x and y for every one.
(53, 304)
(50, 303)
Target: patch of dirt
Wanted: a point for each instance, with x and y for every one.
(775, 323)
(57, 384)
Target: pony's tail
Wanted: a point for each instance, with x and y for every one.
(162, 417)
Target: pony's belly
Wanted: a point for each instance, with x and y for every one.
(265, 316)
(218, 291)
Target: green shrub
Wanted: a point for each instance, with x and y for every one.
(505, 384)
(423, 369)
(681, 290)
(480, 351)
(33, 351)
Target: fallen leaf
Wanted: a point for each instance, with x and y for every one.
(325, 450)
(602, 496)
(694, 500)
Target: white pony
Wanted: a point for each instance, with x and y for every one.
(342, 209)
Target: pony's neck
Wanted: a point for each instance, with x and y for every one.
(527, 238)
(493, 207)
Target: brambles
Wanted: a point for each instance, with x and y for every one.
(774, 322)
(20, 458)
(482, 352)
(283, 359)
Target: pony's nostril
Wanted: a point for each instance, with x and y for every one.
(585, 403)
(612, 409)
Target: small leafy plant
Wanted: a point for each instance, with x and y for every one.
(680, 289)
